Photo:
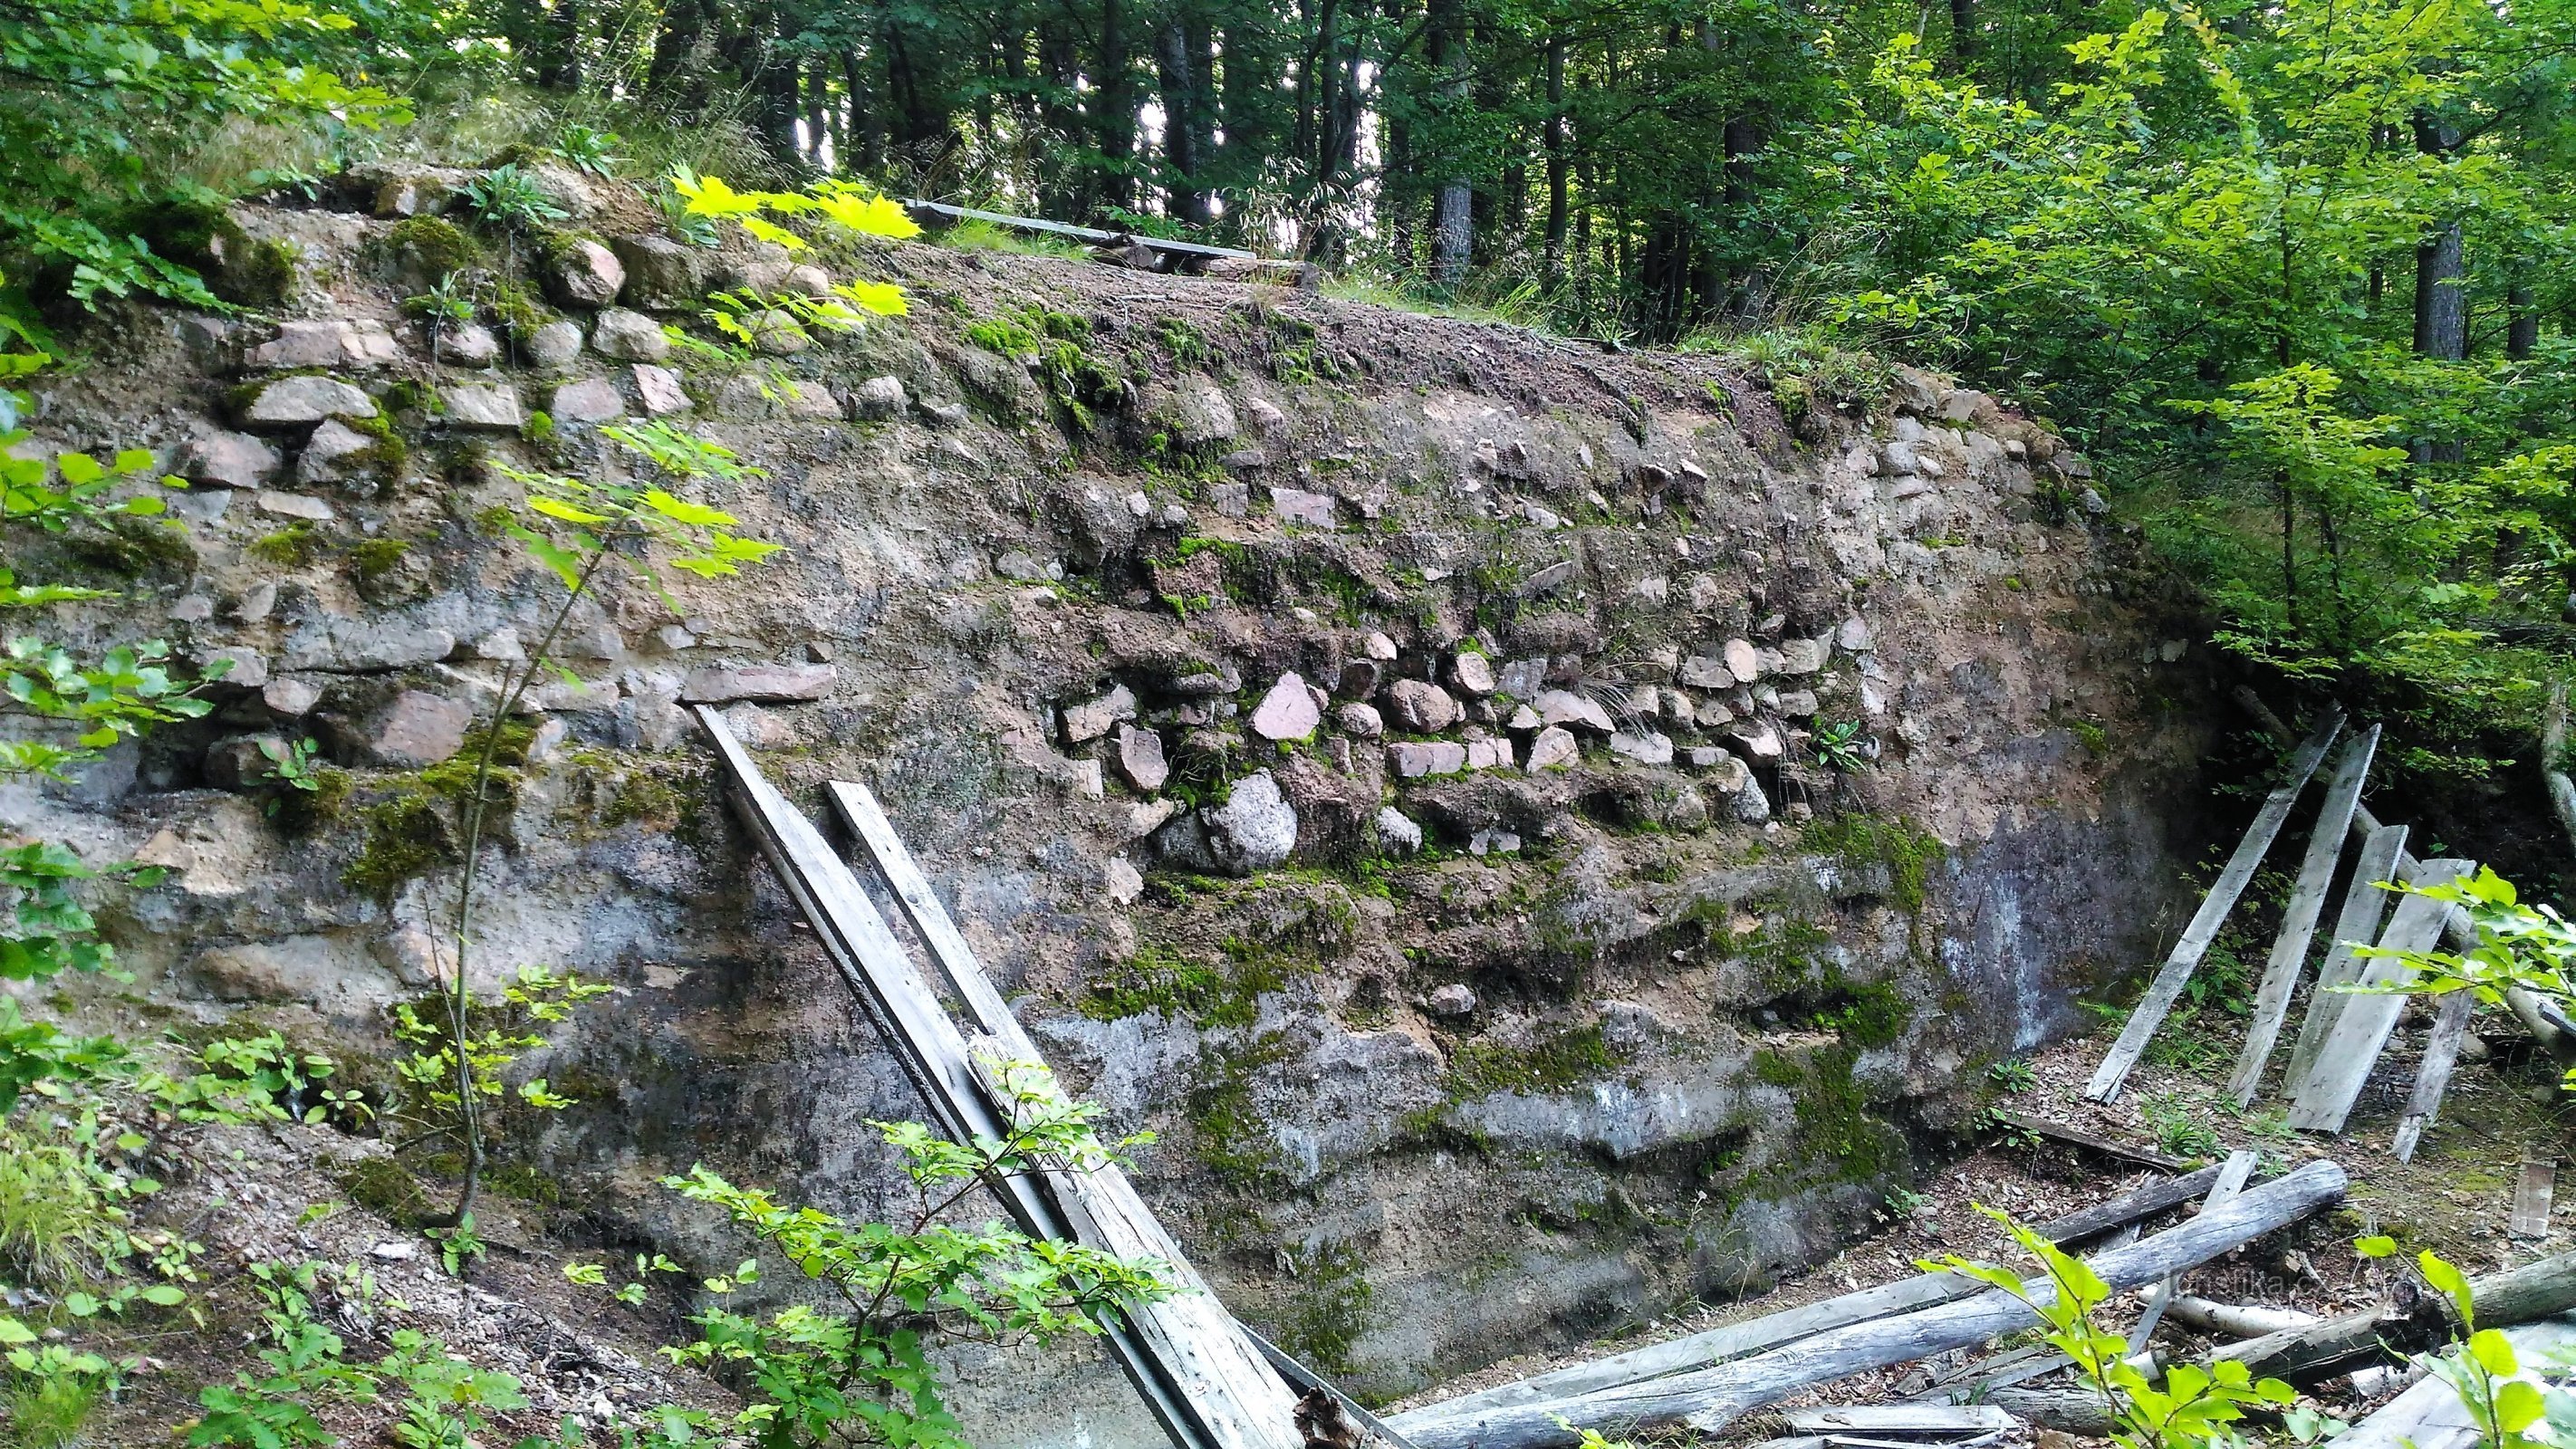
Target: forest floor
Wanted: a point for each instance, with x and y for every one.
(2504, 1105)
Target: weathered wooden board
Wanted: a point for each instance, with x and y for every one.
(2430, 1415)
(2299, 915)
(2232, 1177)
(1710, 1398)
(2078, 1137)
(2185, 958)
(2433, 1074)
(1771, 1330)
(2236, 1320)
(1198, 1404)
(2383, 858)
(2361, 1029)
(2532, 1192)
(1900, 1421)
(1211, 1357)
(933, 214)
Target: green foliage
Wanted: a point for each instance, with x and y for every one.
(2194, 1408)
(509, 200)
(1905, 850)
(2180, 1129)
(2508, 1409)
(590, 149)
(816, 1375)
(1049, 344)
(1841, 746)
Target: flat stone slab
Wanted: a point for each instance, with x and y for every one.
(1288, 711)
(1413, 760)
(295, 402)
(794, 683)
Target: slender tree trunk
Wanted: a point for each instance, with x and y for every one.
(2522, 323)
(1963, 33)
(1453, 213)
(1177, 70)
(1114, 119)
(1556, 160)
(2441, 293)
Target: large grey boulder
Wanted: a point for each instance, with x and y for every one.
(660, 272)
(1254, 830)
(228, 460)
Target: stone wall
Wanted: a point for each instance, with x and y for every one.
(1539, 834)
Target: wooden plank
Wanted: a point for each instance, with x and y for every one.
(2382, 859)
(2534, 1291)
(2433, 1074)
(2361, 1029)
(1771, 1330)
(939, 213)
(2299, 916)
(2231, 1181)
(2077, 1137)
(2430, 1415)
(2529, 1220)
(1899, 1420)
(1148, 1344)
(2167, 987)
(1217, 1363)
(1710, 1398)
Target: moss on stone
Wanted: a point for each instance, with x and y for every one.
(1329, 1310)
(1228, 1134)
(1552, 1064)
(374, 558)
(435, 245)
(293, 547)
(381, 1186)
(1906, 850)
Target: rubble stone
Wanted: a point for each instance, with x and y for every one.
(1565, 707)
(591, 400)
(1288, 711)
(1140, 758)
(629, 337)
(415, 730)
(1092, 718)
(227, 460)
(294, 402)
(1420, 707)
(483, 407)
(585, 274)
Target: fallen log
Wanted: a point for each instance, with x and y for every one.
(1710, 1398)
(2236, 1320)
(1900, 1421)
(1771, 1330)
(2411, 1323)
(2075, 1410)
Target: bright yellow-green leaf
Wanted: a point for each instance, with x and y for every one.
(709, 196)
(2446, 1280)
(772, 232)
(2518, 1406)
(883, 298)
(164, 1295)
(556, 508)
(870, 215)
(681, 510)
(12, 1331)
(2494, 1352)
(79, 468)
(2374, 1246)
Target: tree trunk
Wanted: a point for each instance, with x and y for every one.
(2522, 323)
(1453, 213)
(1963, 33)
(1113, 119)
(1556, 168)
(1177, 69)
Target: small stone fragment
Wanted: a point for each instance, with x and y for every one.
(1120, 881)
(295, 402)
(1454, 999)
(416, 730)
(294, 505)
(1140, 758)
(1565, 707)
(799, 399)
(1646, 747)
(1798, 703)
(1288, 711)
(1554, 747)
(878, 400)
(591, 400)
(1420, 707)
(1702, 672)
(1091, 719)
(629, 337)
(1493, 840)
(291, 698)
(1758, 740)
(1413, 760)
(1379, 647)
(556, 345)
(1472, 672)
(228, 460)
(1743, 660)
(1489, 754)
(1300, 506)
(481, 407)
(783, 682)
(585, 274)
(658, 388)
(1397, 834)
(1803, 656)
(1361, 721)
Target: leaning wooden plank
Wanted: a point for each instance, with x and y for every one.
(930, 214)
(1755, 1335)
(2231, 1181)
(1227, 1373)
(2077, 1137)
(1899, 1421)
(2299, 916)
(2433, 1074)
(2529, 1219)
(935, 1054)
(2365, 905)
(1710, 1398)
(2185, 958)
(2322, 1101)
(2430, 1415)
(2307, 1355)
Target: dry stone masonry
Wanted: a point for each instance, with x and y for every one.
(1379, 753)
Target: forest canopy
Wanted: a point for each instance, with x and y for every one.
(2293, 274)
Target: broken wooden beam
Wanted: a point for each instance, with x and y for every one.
(2529, 1218)
(2365, 906)
(1900, 1421)
(2416, 1321)
(1708, 1399)
(2370, 1011)
(2166, 989)
(2077, 1137)
(2299, 916)
(2231, 1180)
(2433, 1073)
(1771, 1330)
(2431, 1414)
(2236, 1320)
(1193, 1377)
